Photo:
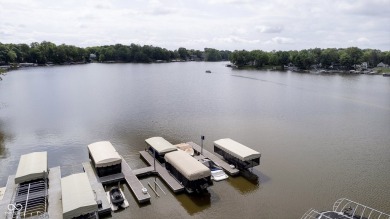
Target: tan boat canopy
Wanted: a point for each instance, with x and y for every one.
(236, 149)
(188, 166)
(160, 145)
(77, 196)
(31, 167)
(104, 154)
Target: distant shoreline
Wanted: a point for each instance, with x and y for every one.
(374, 71)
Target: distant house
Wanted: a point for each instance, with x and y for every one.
(92, 56)
(382, 65)
(195, 58)
(364, 65)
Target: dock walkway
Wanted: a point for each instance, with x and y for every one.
(231, 171)
(55, 196)
(144, 171)
(135, 185)
(7, 197)
(130, 176)
(97, 187)
(173, 184)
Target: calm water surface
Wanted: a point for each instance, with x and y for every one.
(322, 137)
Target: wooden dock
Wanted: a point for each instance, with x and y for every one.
(130, 176)
(173, 184)
(97, 187)
(222, 163)
(135, 185)
(7, 197)
(55, 196)
(146, 171)
(113, 178)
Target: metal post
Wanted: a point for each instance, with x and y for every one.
(28, 193)
(201, 149)
(154, 161)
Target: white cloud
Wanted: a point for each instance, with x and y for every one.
(239, 31)
(234, 39)
(221, 24)
(230, 1)
(103, 5)
(359, 42)
(362, 40)
(269, 29)
(282, 40)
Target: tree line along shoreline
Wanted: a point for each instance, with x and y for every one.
(48, 53)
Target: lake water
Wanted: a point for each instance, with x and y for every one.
(322, 137)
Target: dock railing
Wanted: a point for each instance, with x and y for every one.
(347, 209)
(354, 209)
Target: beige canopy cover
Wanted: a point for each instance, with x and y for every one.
(31, 166)
(104, 154)
(236, 149)
(77, 196)
(160, 145)
(187, 165)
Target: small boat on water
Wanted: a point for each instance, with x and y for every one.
(208, 71)
(117, 199)
(217, 173)
(386, 74)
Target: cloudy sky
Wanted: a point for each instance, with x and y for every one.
(222, 24)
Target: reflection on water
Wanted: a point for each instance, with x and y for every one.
(3, 137)
(194, 203)
(70, 169)
(245, 183)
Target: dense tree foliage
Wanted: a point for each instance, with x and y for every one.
(41, 53)
(47, 52)
(305, 59)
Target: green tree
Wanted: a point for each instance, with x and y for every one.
(329, 57)
(355, 54)
(183, 54)
(240, 58)
(102, 58)
(346, 60)
(11, 55)
(260, 58)
(212, 55)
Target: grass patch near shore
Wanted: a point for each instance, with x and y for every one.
(383, 70)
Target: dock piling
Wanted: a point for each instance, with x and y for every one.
(201, 149)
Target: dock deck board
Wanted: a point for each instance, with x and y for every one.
(55, 197)
(7, 197)
(97, 188)
(222, 163)
(135, 185)
(112, 178)
(173, 184)
(144, 171)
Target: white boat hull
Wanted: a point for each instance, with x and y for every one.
(125, 203)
